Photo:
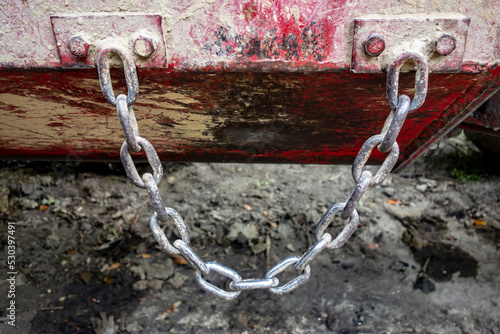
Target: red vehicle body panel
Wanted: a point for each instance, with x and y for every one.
(251, 81)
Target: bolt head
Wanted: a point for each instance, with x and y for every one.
(144, 46)
(374, 45)
(445, 45)
(78, 46)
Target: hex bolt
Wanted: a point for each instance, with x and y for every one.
(144, 46)
(374, 45)
(445, 45)
(78, 46)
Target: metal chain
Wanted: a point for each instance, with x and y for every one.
(385, 142)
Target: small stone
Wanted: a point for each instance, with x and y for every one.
(140, 285)
(429, 182)
(138, 272)
(21, 279)
(46, 180)
(495, 224)
(155, 284)
(421, 187)
(29, 188)
(29, 204)
(413, 239)
(161, 271)
(177, 281)
(285, 230)
(365, 211)
(134, 327)
(249, 231)
(290, 247)
(86, 276)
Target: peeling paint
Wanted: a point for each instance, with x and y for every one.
(27, 40)
(259, 79)
(196, 116)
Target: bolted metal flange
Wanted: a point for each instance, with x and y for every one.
(80, 38)
(370, 54)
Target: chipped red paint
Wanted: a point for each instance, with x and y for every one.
(294, 34)
(317, 117)
(248, 81)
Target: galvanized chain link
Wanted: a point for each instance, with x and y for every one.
(385, 142)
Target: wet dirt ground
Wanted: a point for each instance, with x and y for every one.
(424, 259)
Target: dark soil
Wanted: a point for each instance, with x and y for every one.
(424, 258)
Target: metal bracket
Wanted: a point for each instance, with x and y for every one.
(378, 40)
(80, 38)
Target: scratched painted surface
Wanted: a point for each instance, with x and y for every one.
(204, 34)
(250, 81)
(225, 116)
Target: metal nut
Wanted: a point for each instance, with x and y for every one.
(144, 46)
(374, 45)
(78, 46)
(445, 45)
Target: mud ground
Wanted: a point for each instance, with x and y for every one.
(425, 258)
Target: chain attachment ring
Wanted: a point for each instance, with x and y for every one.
(105, 75)
(421, 80)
